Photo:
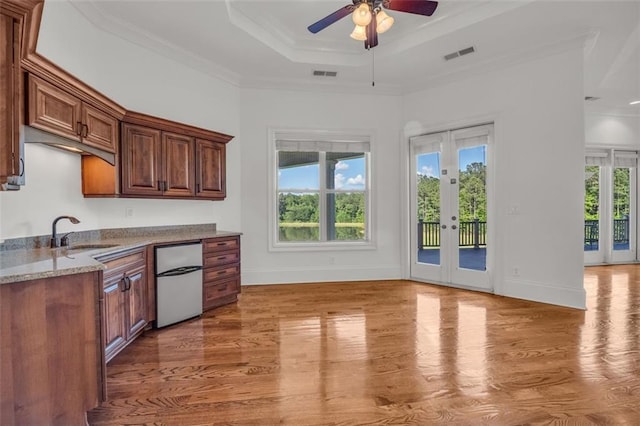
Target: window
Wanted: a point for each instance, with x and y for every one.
(322, 190)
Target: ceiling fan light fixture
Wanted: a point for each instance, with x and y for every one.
(362, 15)
(359, 33)
(383, 21)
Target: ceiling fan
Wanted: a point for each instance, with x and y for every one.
(370, 18)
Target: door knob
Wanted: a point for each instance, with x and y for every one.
(454, 227)
(453, 218)
(444, 226)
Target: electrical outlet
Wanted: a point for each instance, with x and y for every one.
(128, 212)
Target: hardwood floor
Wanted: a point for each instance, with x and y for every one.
(388, 352)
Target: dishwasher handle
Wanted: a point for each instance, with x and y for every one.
(179, 271)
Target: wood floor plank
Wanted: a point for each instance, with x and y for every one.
(388, 353)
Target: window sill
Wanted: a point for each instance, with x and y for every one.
(316, 246)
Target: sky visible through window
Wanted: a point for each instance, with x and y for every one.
(428, 163)
(349, 174)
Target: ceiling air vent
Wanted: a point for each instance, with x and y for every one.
(460, 52)
(320, 73)
(591, 98)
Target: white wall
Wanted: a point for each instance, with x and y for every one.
(612, 130)
(141, 81)
(539, 147)
(264, 109)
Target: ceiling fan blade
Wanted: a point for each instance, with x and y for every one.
(330, 19)
(418, 7)
(372, 34)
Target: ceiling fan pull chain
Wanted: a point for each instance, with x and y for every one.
(373, 70)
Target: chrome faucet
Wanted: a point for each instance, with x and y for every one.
(54, 237)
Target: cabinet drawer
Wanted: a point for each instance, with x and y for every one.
(117, 261)
(212, 292)
(220, 273)
(221, 258)
(221, 244)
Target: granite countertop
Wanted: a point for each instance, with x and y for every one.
(29, 263)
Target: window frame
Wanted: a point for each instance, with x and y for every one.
(329, 136)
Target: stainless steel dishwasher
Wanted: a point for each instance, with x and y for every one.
(178, 282)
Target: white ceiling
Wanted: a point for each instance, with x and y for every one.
(265, 43)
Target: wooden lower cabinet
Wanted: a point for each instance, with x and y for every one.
(125, 311)
(221, 274)
(51, 370)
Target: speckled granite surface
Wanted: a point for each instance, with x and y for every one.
(28, 259)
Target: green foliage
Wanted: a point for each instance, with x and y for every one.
(472, 195)
(303, 208)
(591, 192)
(350, 207)
(298, 207)
(429, 198)
(620, 193)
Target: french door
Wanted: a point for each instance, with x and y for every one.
(610, 228)
(449, 207)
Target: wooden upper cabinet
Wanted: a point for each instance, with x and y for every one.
(10, 98)
(141, 167)
(178, 159)
(101, 130)
(52, 109)
(210, 169)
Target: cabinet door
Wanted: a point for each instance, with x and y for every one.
(137, 300)
(141, 173)
(114, 322)
(178, 152)
(210, 169)
(9, 103)
(53, 110)
(100, 130)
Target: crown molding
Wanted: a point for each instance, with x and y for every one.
(125, 31)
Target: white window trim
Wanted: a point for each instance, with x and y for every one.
(303, 134)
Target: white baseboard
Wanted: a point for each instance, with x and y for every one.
(572, 297)
(315, 274)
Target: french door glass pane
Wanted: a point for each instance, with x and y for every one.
(621, 208)
(428, 202)
(472, 208)
(591, 208)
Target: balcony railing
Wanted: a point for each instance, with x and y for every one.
(470, 234)
(592, 233)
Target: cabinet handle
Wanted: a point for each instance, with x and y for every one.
(21, 170)
(222, 257)
(79, 128)
(124, 286)
(222, 272)
(85, 130)
(159, 185)
(197, 187)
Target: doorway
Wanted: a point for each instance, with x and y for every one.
(449, 207)
(610, 206)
